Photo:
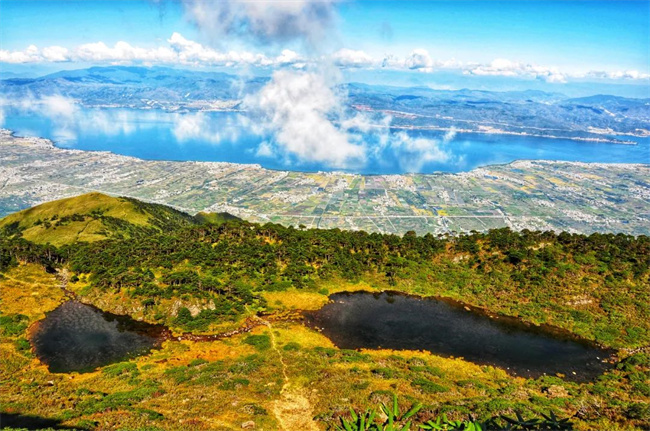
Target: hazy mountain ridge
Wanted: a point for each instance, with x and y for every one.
(530, 112)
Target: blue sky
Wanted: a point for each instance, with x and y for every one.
(554, 42)
(600, 34)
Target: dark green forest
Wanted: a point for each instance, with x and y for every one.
(596, 286)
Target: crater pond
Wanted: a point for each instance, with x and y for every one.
(400, 322)
(79, 337)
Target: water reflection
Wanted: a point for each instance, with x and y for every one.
(79, 337)
(393, 321)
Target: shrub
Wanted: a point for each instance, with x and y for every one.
(260, 342)
(291, 346)
(122, 368)
(14, 324)
(197, 362)
(428, 386)
(23, 346)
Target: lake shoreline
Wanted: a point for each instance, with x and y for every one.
(47, 142)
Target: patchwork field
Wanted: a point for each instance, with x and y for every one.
(534, 195)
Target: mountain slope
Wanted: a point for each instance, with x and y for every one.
(91, 217)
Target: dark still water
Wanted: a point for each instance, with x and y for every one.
(394, 321)
(78, 337)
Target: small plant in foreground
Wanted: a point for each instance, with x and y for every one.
(395, 421)
(441, 423)
(367, 421)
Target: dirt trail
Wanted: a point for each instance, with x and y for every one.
(293, 410)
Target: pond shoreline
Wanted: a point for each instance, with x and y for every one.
(351, 327)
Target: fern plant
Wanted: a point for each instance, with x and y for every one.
(442, 423)
(359, 422)
(365, 421)
(396, 421)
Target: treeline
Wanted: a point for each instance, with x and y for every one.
(596, 285)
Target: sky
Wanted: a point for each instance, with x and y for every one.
(539, 42)
(308, 48)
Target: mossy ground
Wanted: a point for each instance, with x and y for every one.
(281, 372)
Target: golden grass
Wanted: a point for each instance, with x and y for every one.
(294, 299)
(29, 290)
(321, 383)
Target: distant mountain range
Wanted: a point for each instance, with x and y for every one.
(532, 112)
(134, 87)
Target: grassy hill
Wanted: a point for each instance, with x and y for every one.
(91, 217)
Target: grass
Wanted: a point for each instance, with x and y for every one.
(30, 291)
(222, 384)
(42, 224)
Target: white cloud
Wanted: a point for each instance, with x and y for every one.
(298, 107)
(68, 119)
(287, 57)
(30, 55)
(449, 135)
(265, 149)
(58, 107)
(262, 21)
(182, 51)
(55, 54)
(413, 153)
(123, 52)
(195, 127)
(392, 62)
(621, 74)
(419, 60)
(62, 112)
(504, 67)
(351, 58)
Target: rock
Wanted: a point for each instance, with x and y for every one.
(248, 425)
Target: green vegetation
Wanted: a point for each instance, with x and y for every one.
(396, 421)
(594, 286)
(200, 277)
(13, 325)
(95, 216)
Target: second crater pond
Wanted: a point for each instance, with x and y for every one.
(401, 322)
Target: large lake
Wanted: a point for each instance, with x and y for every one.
(396, 321)
(225, 137)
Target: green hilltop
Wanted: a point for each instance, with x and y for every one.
(96, 216)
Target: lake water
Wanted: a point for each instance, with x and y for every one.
(395, 321)
(79, 337)
(228, 137)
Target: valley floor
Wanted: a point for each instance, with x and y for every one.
(535, 195)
